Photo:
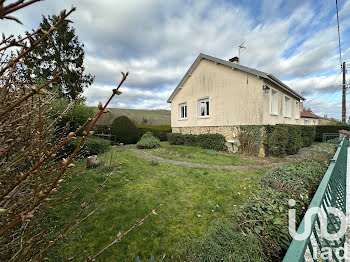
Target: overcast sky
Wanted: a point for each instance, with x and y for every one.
(157, 41)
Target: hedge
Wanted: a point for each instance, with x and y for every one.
(307, 135)
(207, 141)
(263, 218)
(281, 140)
(321, 129)
(160, 131)
(92, 146)
(125, 130)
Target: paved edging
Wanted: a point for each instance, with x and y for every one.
(196, 165)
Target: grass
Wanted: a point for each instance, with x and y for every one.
(192, 198)
(199, 155)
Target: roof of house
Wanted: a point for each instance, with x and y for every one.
(308, 114)
(261, 74)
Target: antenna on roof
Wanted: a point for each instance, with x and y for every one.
(241, 48)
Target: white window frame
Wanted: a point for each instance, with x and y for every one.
(297, 110)
(306, 122)
(185, 111)
(287, 114)
(203, 100)
(273, 112)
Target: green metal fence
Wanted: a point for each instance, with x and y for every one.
(330, 138)
(330, 193)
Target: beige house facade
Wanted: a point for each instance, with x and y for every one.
(217, 96)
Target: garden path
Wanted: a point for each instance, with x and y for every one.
(199, 165)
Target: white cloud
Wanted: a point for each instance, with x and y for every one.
(156, 41)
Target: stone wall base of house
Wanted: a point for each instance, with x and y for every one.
(229, 132)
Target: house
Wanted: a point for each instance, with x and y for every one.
(309, 118)
(217, 96)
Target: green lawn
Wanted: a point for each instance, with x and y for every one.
(192, 198)
(199, 155)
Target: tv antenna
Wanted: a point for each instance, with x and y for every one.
(241, 48)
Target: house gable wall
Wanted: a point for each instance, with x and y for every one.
(235, 97)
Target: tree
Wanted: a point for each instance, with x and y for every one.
(60, 51)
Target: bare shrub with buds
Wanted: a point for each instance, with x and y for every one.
(30, 144)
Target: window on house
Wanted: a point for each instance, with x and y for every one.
(297, 110)
(203, 107)
(314, 121)
(306, 122)
(274, 102)
(183, 111)
(287, 106)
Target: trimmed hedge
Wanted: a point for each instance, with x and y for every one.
(281, 140)
(160, 131)
(125, 130)
(176, 139)
(212, 141)
(320, 130)
(206, 141)
(307, 135)
(92, 146)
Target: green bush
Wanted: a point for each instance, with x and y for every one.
(125, 130)
(321, 129)
(276, 140)
(148, 141)
(212, 141)
(266, 212)
(281, 140)
(160, 131)
(190, 140)
(206, 141)
(294, 139)
(307, 135)
(176, 139)
(92, 146)
(223, 242)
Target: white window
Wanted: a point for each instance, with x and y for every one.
(297, 110)
(183, 111)
(274, 102)
(306, 122)
(287, 106)
(203, 107)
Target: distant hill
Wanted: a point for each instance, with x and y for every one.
(154, 117)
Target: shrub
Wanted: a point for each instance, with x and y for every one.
(125, 130)
(281, 140)
(148, 141)
(307, 135)
(206, 141)
(294, 140)
(276, 140)
(176, 139)
(212, 141)
(223, 242)
(91, 146)
(266, 212)
(190, 140)
(250, 140)
(320, 130)
(160, 131)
